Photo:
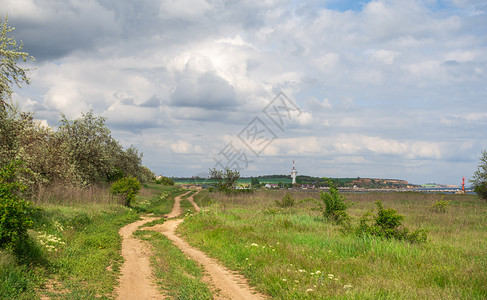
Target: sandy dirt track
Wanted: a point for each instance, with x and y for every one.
(137, 281)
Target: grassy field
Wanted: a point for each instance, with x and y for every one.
(294, 253)
(74, 247)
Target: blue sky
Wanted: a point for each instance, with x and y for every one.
(385, 89)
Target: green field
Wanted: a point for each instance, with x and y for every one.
(286, 253)
(294, 253)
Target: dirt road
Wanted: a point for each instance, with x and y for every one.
(137, 282)
(225, 284)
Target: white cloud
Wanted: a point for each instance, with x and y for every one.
(184, 147)
(394, 82)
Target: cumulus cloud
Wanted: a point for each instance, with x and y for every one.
(388, 86)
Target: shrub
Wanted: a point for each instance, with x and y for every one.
(388, 224)
(165, 181)
(333, 205)
(126, 188)
(440, 206)
(14, 216)
(286, 201)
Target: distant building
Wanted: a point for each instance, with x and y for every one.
(294, 173)
(271, 185)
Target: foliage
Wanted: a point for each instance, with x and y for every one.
(226, 179)
(333, 205)
(14, 217)
(126, 188)
(164, 181)
(10, 73)
(388, 224)
(90, 146)
(286, 201)
(440, 206)
(479, 180)
(254, 182)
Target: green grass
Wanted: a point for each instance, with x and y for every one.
(288, 253)
(73, 251)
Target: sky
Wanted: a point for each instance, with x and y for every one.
(381, 89)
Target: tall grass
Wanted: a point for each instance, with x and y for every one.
(293, 253)
(69, 195)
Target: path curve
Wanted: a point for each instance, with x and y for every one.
(229, 285)
(136, 281)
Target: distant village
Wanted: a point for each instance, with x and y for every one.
(303, 182)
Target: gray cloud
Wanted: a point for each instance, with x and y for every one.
(388, 88)
(207, 91)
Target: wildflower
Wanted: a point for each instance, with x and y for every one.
(246, 258)
(284, 279)
(318, 272)
(330, 276)
(311, 273)
(297, 281)
(254, 244)
(309, 290)
(301, 271)
(347, 286)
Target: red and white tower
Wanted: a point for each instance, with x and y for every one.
(294, 173)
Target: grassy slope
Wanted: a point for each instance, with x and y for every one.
(294, 254)
(74, 250)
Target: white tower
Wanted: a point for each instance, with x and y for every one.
(294, 173)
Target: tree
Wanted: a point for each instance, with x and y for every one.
(10, 73)
(91, 147)
(254, 182)
(226, 179)
(479, 180)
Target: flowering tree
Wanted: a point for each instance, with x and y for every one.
(10, 73)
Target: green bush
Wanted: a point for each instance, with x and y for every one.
(440, 206)
(126, 188)
(388, 224)
(14, 216)
(165, 181)
(286, 201)
(333, 205)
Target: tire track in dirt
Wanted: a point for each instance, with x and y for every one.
(226, 285)
(136, 280)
